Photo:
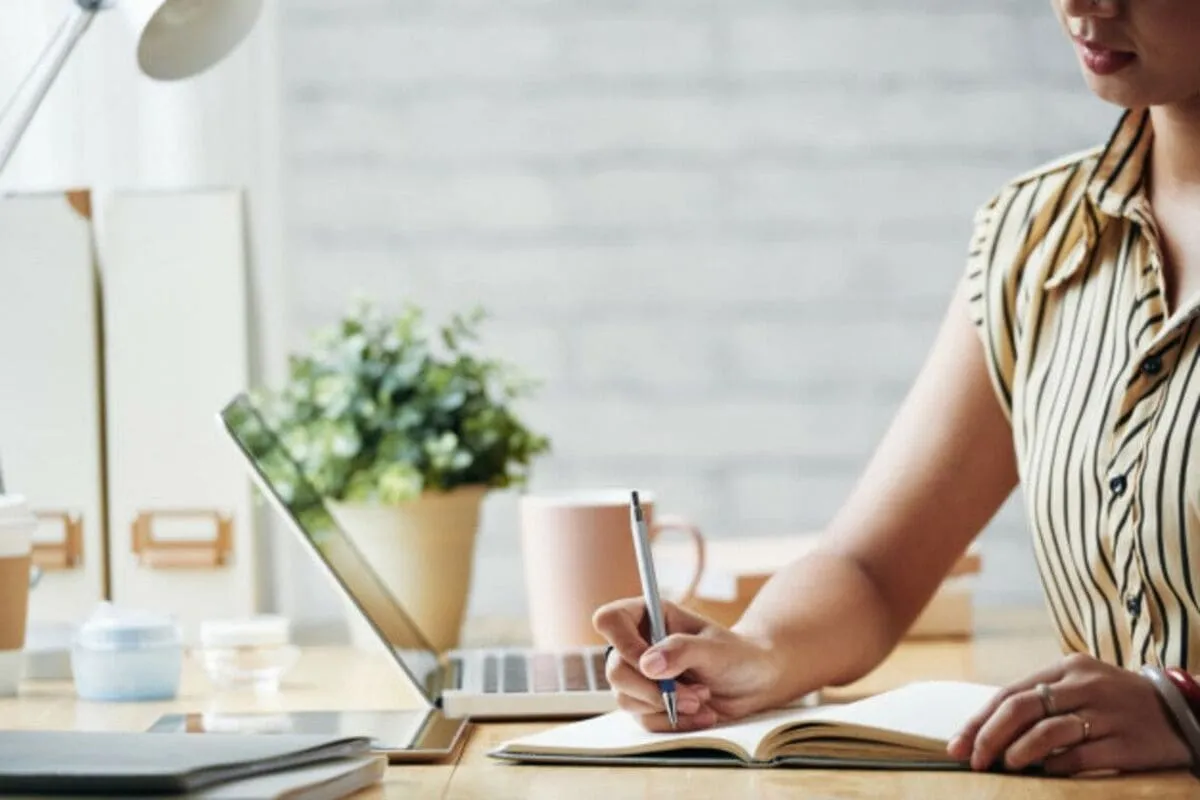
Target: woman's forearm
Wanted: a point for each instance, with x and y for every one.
(825, 620)
(944, 467)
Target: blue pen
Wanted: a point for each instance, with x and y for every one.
(658, 627)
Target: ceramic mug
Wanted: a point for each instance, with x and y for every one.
(578, 554)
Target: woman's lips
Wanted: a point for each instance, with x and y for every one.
(1103, 60)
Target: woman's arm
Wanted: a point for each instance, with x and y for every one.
(941, 472)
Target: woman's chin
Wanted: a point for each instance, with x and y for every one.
(1116, 90)
(1128, 89)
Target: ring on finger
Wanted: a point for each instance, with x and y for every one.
(1086, 726)
(1047, 698)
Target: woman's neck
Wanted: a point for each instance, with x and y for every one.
(1174, 194)
(1175, 163)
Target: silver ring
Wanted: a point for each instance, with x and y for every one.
(1047, 700)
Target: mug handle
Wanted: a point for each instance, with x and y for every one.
(671, 522)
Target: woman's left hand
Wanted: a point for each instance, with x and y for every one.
(1093, 717)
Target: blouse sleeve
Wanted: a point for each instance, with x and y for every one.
(991, 288)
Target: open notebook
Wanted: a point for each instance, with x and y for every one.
(908, 728)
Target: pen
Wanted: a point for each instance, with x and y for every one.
(658, 628)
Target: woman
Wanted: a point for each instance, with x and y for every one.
(1068, 361)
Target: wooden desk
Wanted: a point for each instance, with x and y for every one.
(1008, 646)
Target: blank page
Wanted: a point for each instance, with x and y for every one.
(929, 709)
(619, 733)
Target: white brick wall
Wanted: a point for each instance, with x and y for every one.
(722, 233)
(620, 46)
(386, 55)
(875, 45)
(785, 353)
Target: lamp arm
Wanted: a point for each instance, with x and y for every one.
(33, 89)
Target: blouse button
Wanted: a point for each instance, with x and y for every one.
(1152, 365)
(1133, 604)
(1117, 485)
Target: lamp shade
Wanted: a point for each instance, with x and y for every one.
(180, 38)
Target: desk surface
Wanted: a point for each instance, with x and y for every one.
(1008, 645)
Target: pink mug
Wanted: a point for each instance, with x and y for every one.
(578, 553)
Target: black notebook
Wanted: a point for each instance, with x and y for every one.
(130, 764)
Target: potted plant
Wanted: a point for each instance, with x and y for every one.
(403, 430)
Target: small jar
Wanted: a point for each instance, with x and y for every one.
(127, 656)
(48, 650)
(253, 652)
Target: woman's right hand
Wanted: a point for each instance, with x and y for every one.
(720, 675)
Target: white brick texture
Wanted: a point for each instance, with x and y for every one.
(793, 353)
(806, 499)
(723, 234)
(624, 47)
(392, 55)
(648, 352)
(906, 43)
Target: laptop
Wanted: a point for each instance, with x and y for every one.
(486, 683)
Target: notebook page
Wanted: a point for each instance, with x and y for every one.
(619, 733)
(928, 709)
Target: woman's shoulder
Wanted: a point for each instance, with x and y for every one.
(1030, 231)
(1031, 206)
(1042, 194)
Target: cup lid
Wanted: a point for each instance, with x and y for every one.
(118, 629)
(15, 518)
(263, 630)
(15, 509)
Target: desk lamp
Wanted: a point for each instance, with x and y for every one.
(175, 39)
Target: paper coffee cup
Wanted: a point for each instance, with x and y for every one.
(17, 524)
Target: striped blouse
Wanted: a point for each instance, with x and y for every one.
(1101, 385)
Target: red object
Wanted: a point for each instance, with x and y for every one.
(1188, 686)
(1103, 60)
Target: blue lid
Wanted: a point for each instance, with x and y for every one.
(109, 629)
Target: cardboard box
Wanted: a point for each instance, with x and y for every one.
(736, 569)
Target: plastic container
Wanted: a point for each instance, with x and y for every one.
(48, 650)
(122, 655)
(253, 652)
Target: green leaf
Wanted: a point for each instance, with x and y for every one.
(399, 483)
(376, 411)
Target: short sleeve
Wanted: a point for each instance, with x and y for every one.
(991, 288)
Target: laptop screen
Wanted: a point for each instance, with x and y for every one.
(279, 476)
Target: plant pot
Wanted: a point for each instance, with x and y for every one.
(423, 552)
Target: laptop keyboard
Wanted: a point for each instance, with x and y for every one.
(575, 676)
(598, 671)
(516, 676)
(539, 672)
(456, 673)
(545, 672)
(491, 675)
